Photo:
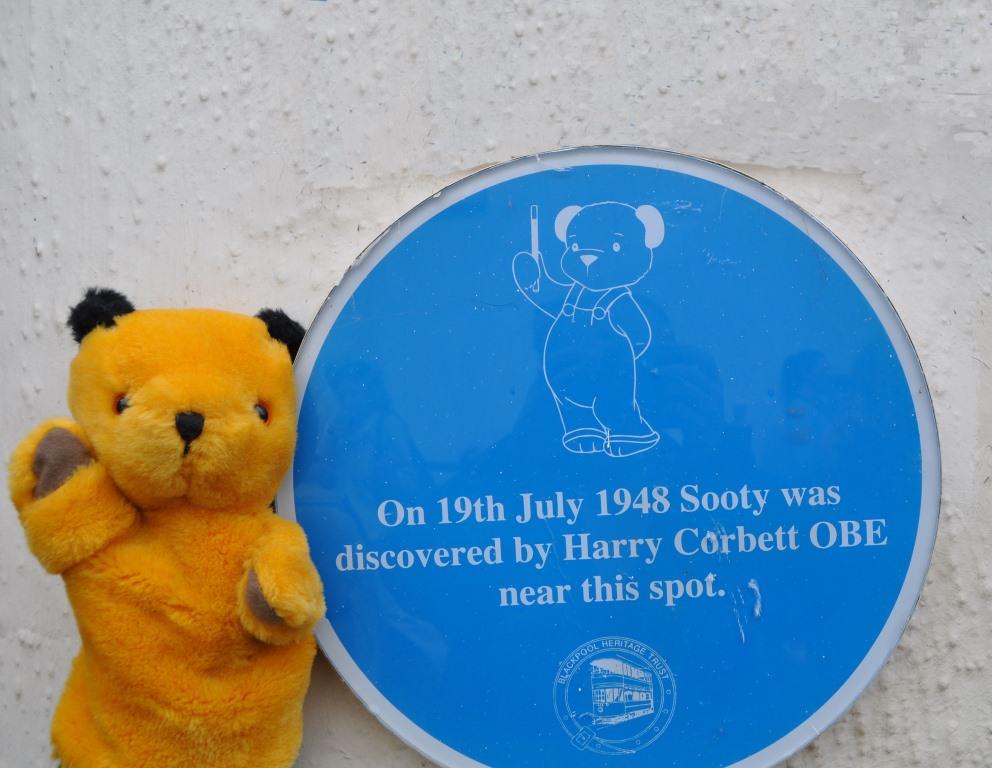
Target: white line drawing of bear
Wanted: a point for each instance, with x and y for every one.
(599, 330)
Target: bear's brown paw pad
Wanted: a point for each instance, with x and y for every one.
(256, 602)
(57, 455)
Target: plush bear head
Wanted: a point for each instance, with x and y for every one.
(608, 245)
(185, 406)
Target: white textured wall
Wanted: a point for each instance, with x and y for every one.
(241, 154)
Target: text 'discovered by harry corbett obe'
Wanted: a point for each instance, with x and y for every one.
(711, 526)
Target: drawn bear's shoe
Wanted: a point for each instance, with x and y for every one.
(584, 440)
(628, 445)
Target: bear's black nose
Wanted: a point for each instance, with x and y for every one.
(189, 424)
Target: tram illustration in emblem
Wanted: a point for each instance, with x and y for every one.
(621, 691)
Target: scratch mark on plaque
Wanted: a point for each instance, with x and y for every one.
(753, 586)
(737, 615)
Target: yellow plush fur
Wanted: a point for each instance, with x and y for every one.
(158, 547)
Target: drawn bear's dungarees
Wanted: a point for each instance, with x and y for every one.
(596, 394)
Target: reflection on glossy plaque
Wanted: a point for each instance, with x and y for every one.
(612, 456)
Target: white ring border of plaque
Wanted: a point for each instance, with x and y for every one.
(707, 170)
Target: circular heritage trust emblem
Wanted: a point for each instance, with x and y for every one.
(623, 401)
(614, 696)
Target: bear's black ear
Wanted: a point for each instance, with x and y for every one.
(283, 328)
(100, 306)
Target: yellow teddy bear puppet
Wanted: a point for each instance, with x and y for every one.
(195, 603)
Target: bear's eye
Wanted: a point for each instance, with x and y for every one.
(616, 247)
(575, 246)
(263, 412)
(121, 403)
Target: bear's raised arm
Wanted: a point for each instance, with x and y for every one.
(68, 504)
(537, 286)
(628, 319)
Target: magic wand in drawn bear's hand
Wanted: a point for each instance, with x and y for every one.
(528, 268)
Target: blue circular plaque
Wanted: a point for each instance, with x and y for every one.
(612, 456)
